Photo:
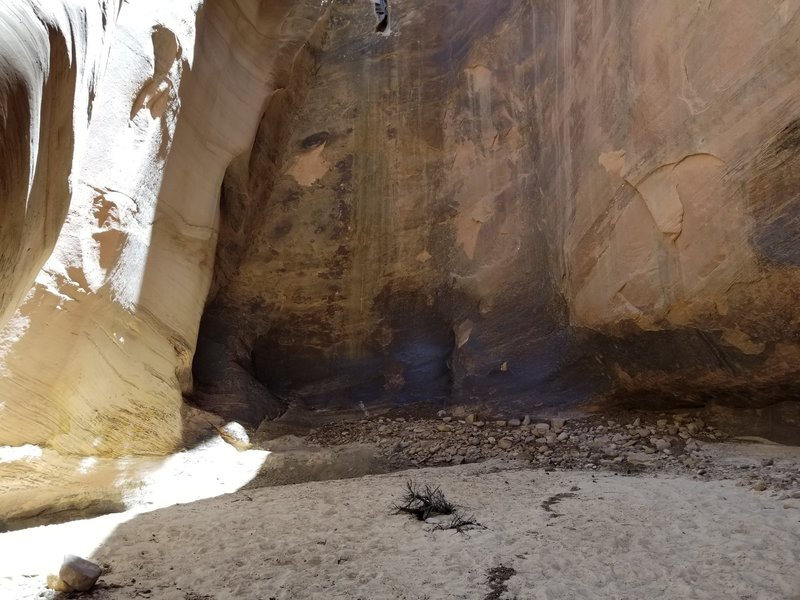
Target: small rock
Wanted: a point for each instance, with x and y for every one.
(638, 458)
(767, 462)
(637, 422)
(562, 436)
(558, 424)
(759, 486)
(470, 419)
(447, 419)
(235, 434)
(500, 423)
(661, 423)
(526, 420)
(514, 422)
(541, 428)
(479, 423)
(458, 459)
(441, 413)
(78, 573)
(505, 443)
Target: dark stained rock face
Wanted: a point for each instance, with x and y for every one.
(516, 204)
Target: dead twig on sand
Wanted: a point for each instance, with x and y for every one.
(425, 501)
(460, 523)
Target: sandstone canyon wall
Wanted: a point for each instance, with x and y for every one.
(97, 356)
(520, 204)
(523, 204)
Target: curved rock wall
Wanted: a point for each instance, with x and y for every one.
(51, 57)
(97, 356)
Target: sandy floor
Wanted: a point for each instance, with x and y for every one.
(609, 536)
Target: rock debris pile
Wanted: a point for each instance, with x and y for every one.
(641, 444)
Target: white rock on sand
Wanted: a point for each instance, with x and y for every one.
(605, 536)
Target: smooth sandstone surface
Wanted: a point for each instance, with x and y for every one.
(96, 358)
(515, 204)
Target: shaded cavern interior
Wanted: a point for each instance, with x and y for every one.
(525, 206)
(475, 211)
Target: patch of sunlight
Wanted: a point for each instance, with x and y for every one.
(212, 469)
(86, 464)
(12, 453)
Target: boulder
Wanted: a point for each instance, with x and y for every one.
(78, 573)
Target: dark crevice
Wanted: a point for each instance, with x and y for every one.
(228, 367)
(382, 13)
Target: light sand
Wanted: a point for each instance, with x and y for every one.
(617, 537)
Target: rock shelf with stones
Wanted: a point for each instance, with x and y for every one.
(642, 444)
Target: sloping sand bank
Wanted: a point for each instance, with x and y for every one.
(563, 535)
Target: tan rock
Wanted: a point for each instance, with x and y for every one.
(78, 573)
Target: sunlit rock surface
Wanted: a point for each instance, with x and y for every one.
(161, 97)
